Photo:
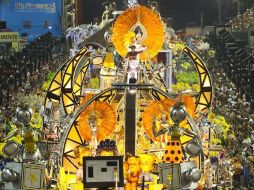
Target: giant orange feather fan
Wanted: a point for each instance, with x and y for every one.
(189, 104)
(168, 103)
(85, 99)
(154, 109)
(105, 120)
(152, 25)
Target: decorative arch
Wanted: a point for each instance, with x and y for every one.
(73, 138)
(54, 89)
(72, 81)
(205, 95)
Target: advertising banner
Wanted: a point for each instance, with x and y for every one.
(32, 18)
(11, 38)
(35, 7)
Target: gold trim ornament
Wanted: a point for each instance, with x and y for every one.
(144, 28)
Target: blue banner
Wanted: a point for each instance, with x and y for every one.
(35, 7)
(32, 17)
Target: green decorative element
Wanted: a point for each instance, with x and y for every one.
(180, 86)
(213, 154)
(188, 77)
(45, 86)
(214, 140)
(195, 87)
(185, 65)
(187, 81)
(221, 129)
(46, 83)
(95, 83)
(7, 127)
(50, 76)
(36, 121)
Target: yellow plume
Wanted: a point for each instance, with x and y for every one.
(128, 39)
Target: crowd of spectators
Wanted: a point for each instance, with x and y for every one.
(24, 72)
(231, 102)
(243, 21)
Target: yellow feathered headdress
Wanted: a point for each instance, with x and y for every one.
(149, 21)
(128, 39)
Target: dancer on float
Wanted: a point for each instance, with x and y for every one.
(133, 56)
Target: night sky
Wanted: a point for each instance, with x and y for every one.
(182, 11)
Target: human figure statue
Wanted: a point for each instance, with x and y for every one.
(208, 174)
(133, 173)
(92, 119)
(173, 130)
(147, 166)
(137, 41)
(30, 152)
(105, 14)
(112, 7)
(164, 127)
(174, 145)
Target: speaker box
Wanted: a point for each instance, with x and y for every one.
(2, 24)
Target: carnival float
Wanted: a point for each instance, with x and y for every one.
(130, 112)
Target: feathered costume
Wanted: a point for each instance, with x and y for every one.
(146, 19)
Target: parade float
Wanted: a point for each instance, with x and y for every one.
(115, 116)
